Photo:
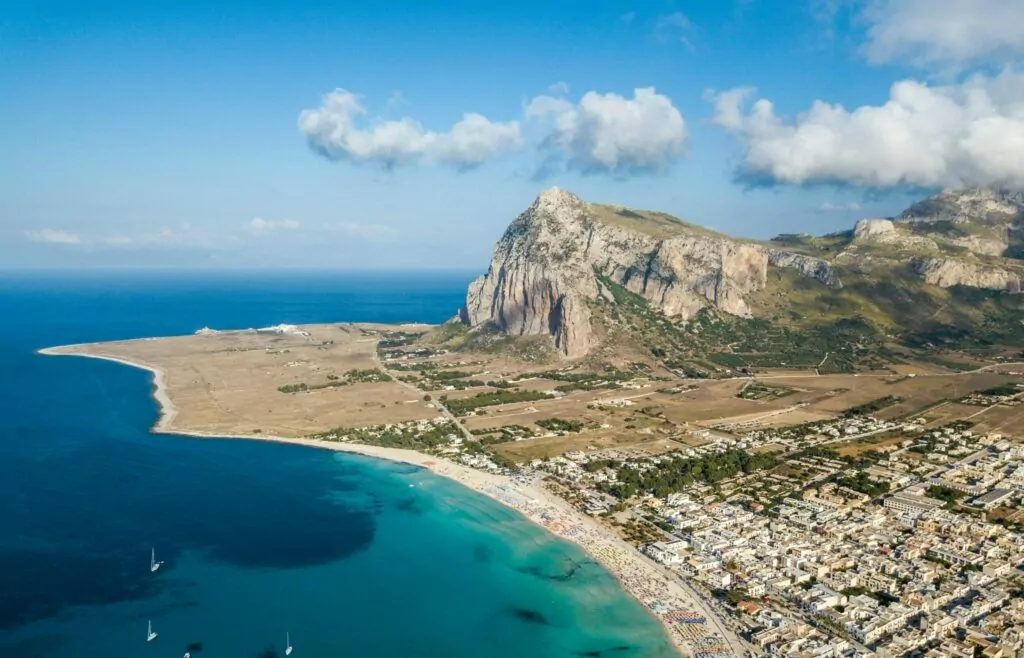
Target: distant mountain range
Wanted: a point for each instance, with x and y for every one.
(945, 273)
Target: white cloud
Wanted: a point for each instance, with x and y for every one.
(674, 27)
(559, 88)
(53, 236)
(332, 129)
(628, 17)
(607, 133)
(945, 32)
(184, 236)
(368, 232)
(839, 207)
(970, 133)
(259, 226)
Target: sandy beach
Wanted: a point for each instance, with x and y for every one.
(668, 600)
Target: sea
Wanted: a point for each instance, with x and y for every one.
(345, 556)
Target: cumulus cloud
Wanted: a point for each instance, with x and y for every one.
(608, 133)
(970, 133)
(839, 207)
(260, 226)
(337, 131)
(53, 236)
(946, 32)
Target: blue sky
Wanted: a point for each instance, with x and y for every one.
(294, 135)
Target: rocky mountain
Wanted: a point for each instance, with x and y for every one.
(979, 221)
(551, 261)
(563, 258)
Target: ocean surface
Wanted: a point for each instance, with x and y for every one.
(258, 539)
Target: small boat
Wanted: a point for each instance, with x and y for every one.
(287, 644)
(150, 634)
(153, 564)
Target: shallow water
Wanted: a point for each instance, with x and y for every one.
(258, 538)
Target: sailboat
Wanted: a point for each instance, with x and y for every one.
(287, 644)
(150, 635)
(153, 564)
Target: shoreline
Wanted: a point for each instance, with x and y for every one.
(167, 410)
(637, 575)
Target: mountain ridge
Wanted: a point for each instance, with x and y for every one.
(556, 261)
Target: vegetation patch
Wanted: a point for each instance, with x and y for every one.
(561, 425)
(864, 483)
(761, 392)
(946, 494)
(871, 407)
(410, 435)
(676, 474)
(610, 377)
(353, 376)
(462, 406)
(503, 434)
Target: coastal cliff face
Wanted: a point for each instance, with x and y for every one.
(548, 268)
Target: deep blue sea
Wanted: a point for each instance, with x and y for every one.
(258, 539)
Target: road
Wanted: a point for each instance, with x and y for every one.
(997, 404)
(440, 407)
(707, 601)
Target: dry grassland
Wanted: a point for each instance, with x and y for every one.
(228, 383)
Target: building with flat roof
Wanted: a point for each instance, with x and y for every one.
(994, 498)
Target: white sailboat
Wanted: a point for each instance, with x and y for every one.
(150, 635)
(287, 644)
(153, 564)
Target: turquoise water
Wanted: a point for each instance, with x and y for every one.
(258, 539)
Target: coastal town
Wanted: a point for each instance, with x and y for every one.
(899, 553)
(789, 513)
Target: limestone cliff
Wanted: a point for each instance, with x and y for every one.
(956, 238)
(946, 273)
(547, 268)
(982, 221)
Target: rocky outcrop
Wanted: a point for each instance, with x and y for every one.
(983, 221)
(947, 273)
(969, 205)
(869, 230)
(808, 266)
(884, 231)
(546, 267)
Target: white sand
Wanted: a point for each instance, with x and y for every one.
(643, 578)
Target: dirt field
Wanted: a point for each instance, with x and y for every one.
(229, 382)
(867, 444)
(1005, 420)
(589, 442)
